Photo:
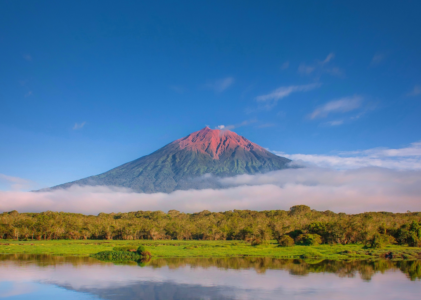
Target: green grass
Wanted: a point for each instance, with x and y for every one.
(168, 248)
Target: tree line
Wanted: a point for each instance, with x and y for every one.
(299, 225)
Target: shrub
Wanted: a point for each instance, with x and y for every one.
(143, 252)
(116, 256)
(256, 242)
(286, 241)
(140, 249)
(308, 239)
(380, 240)
(299, 210)
(295, 233)
(413, 240)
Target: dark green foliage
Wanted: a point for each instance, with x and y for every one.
(140, 250)
(299, 210)
(308, 239)
(293, 234)
(230, 225)
(286, 241)
(117, 256)
(409, 234)
(380, 240)
(320, 229)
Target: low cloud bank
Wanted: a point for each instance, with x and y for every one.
(407, 158)
(350, 191)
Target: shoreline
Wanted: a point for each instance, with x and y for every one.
(209, 249)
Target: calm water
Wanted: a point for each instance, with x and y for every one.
(47, 277)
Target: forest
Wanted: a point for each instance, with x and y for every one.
(300, 225)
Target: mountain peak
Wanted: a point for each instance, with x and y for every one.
(176, 166)
(214, 142)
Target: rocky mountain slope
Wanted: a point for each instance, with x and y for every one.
(181, 164)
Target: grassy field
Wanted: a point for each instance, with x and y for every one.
(177, 248)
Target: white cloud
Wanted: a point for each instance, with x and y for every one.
(28, 94)
(285, 65)
(351, 191)
(305, 69)
(320, 67)
(416, 91)
(335, 123)
(407, 158)
(177, 88)
(329, 57)
(230, 127)
(27, 57)
(335, 71)
(220, 85)
(378, 179)
(15, 183)
(337, 106)
(284, 91)
(79, 125)
(378, 58)
(266, 125)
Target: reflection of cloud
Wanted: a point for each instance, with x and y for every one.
(79, 125)
(220, 85)
(15, 183)
(358, 190)
(110, 281)
(337, 106)
(407, 158)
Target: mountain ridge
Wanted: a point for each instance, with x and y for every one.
(179, 164)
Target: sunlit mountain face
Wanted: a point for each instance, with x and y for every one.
(184, 163)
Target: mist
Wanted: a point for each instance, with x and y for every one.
(349, 191)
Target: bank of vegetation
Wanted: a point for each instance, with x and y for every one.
(298, 226)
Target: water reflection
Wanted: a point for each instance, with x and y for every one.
(214, 278)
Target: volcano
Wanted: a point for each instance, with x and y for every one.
(194, 162)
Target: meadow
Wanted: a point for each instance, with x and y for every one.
(207, 249)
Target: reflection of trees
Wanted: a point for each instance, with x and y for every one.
(44, 260)
(365, 269)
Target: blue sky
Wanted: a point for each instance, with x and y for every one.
(87, 86)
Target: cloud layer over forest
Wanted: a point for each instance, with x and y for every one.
(376, 179)
(350, 191)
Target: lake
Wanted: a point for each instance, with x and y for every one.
(54, 277)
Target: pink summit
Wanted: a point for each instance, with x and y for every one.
(182, 164)
(214, 142)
